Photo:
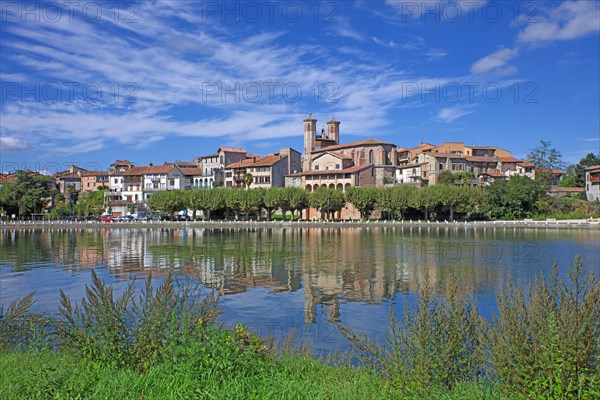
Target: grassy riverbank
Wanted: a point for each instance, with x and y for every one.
(163, 343)
(50, 375)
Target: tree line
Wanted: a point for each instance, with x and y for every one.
(394, 203)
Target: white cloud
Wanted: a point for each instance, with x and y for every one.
(8, 143)
(570, 20)
(435, 54)
(450, 114)
(497, 59)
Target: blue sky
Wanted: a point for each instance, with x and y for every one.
(154, 81)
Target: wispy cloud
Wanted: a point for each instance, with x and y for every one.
(495, 61)
(435, 54)
(592, 139)
(450, 114)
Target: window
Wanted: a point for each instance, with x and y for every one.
(116, 181)
(338, 166)
(453, 167)
(316, 168)
(441, 167)
(371, 157)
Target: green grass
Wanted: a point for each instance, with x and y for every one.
(51, 375)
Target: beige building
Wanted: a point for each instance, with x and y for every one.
(592, 183)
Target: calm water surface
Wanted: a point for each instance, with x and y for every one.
(283, 281)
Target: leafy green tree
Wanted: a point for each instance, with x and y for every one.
(29, 194)
(327, 201)
(545, 156)
(514, 198)
(233, 201)
(197, 199)
(425, 199)
(364, 199)
(251, 201)
(90, 203)
(216, 201)
(401, 199)
(575, 174)
(168, 201)
(297, 199)
(272, 200)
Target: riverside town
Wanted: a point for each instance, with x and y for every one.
(332, 200)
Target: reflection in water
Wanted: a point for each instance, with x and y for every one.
(332, 266)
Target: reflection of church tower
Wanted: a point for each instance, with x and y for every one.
(310, 136)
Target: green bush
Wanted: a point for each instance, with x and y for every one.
(544, 342)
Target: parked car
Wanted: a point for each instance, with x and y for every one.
(124, 218)
(107, 218)
(163, 218)
(75, 218)
(92, 218)
(180, 217)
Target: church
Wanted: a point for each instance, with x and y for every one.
(327, 163)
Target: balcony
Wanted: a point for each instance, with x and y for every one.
(595, 178)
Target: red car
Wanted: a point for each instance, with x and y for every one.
(107, 218)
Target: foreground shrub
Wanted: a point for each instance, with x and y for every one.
(132, 331)
(437, 343)
(545, 340)
(20, 328)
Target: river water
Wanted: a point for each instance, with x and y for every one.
(296, 281)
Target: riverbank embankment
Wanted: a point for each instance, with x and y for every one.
(522, 224)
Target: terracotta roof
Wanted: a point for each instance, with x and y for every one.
(447, 155)
(368, 142)
(350, 170)
(554, 171)
(68, 175)
(184, 163)
(482, 159)
(526, 163)
(209, 156)
(232, 149)
(558, 189)
(122, 162)
(8, 178)
(192, 171)
(266, 161)
(509, 160)
(242, 164)
(483, 147)
(151, 169)
(335, 154)
(406, 166)
(493, 174)
(84, 172)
